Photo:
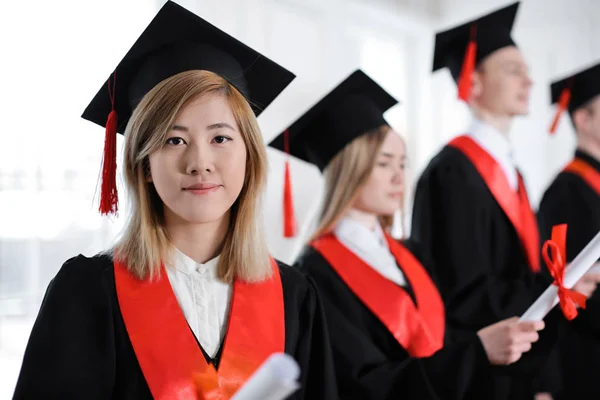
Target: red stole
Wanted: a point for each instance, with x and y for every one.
(166, 349)
(418, 328)
(514, 204)
(586, 172)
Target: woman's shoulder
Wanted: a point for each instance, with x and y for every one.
(296, 284)
(291, 275)
(308, 259)
(83, 271)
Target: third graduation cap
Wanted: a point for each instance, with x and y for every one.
(575, 91)
(462, 48)
(353, 108)
(175, 41)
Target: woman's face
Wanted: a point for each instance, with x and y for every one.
(199, 171)
(382, 193)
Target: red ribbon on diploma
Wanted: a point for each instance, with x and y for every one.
(556, 265)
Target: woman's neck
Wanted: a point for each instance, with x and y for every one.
(368, 220)
(200, 242)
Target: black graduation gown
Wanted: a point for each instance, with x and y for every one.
(369, 361)
(478, 259)
(570, 200)
(79, 346)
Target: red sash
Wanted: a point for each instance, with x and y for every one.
(418, 328)
(514, 204)
(586, 172)
(166, 349)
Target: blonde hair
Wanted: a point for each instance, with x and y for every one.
(352, 166)
(145, 243)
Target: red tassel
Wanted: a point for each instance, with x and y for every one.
(465, 82)
(289, 216)
(563, 103)
(109, 198)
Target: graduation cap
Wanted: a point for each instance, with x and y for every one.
(462, 48)
(350, 110)
(176, 40)
(574, 91)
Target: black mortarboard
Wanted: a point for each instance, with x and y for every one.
(574, 91)
(353, 108)
(584, 86)
(490, 32)
(178, 40)
(175, 41)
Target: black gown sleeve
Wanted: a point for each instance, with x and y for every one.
(70, 353)
(315, 352)
(462, 366)
(366, 372)
(307, 337)
(451, 218)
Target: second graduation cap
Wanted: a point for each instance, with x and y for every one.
(175, 41)
(574, 91)
(350, 110)
(462, 48)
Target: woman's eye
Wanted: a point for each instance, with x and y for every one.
(175, 141)
(221, 139)
(383, 164)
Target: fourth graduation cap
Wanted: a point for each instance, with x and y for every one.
(351, 109)
(175, 41)
(462, 48)
(574, 92)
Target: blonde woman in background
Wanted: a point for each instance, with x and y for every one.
(385, 315)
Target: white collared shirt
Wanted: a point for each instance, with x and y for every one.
(371, 247)
(498, 146)
(204, 299)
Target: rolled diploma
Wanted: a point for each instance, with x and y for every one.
(579, 267)
(275, 379)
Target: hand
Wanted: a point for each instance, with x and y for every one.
(505, 341)
(587, 284)
(543, 396)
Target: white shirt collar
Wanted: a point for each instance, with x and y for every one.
(188, 266)
(369, 246)
(498, 146)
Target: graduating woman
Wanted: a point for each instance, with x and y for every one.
(190, 285)
(386, 316)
